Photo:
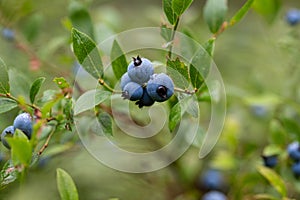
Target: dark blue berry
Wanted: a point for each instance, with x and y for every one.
(259, 110)
(211, 180)
(132, 91)
(8, 34)
(293, 16)
(146, 100)
(160, 87)
(293, 150)
(124, 80)
(270, 161)
(214, 195)
(140, 70)
(23, 122)
(296, 169)
(7, 132)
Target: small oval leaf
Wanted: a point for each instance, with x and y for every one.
(167, 6)
(179, 6)
(118, 60)
(4, 79)
(274, 179)
(87, 53)
(7, 105)
(66, 186)
(89, 100)
(214, 14)
(106, 123)
(242, 12)
(35, 87)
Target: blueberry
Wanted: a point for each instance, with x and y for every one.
(293, 150)
(259, 110)
(270, 161)
(132, 91)
(296, 169)
(211, 180)
(293, 16)
(146, 100)
(8, 34)
(140, 70)
(8, 132)
(214, 195)
(160, 87)
(124, 80)
(24, 123)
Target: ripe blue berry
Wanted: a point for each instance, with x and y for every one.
(7, 132)
(211, 180)
(293, 150)
(160, 87)
(132, 91)
(146, 100)
(24, 123)
(293, 16)
(214, 195)
(124, 80)
(270, 161)
(296, 169)
(140, 70)
(8, 34)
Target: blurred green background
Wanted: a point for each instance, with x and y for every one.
(259, 63)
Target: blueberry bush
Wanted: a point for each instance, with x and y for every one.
(69, 70)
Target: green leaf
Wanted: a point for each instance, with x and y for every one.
(68, 109)
(171, 15)
(166, 33)
(21, 149)
(201, 62)
(178, 71)
(106, 123)
(118, 60)
(81, 18)
(8, 174)
(175, 116)
(215, 13)
(267, 8)
(35, 87)
(89, 100)
(7, 104)
(179, 6)
(241, 13)
(61, 82)
(66, 186)
(87, 53)
(274, 179)
(4, 79)
(265, 197)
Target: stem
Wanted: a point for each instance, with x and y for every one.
(186, 91)
(8, 95)
(46, 143)
(172, 37)
(104, 84)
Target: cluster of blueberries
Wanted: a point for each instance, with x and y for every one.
(140, 84)
(22, 122)
(293, 16)
(293, 150)
(212, 182)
